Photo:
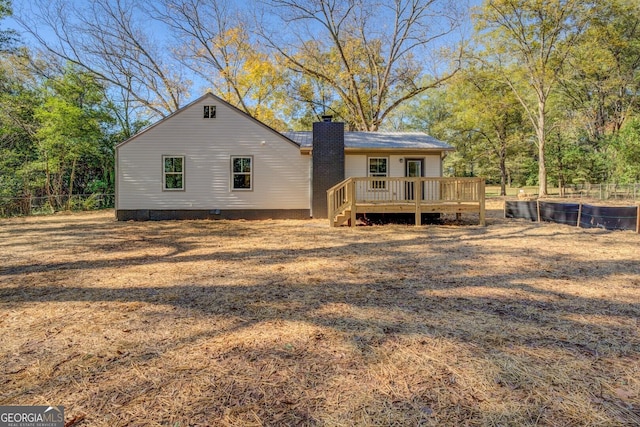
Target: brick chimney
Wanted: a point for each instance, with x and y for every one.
(328, 162)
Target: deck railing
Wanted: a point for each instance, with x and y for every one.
(404, 194)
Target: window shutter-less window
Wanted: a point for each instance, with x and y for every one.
(173, 172)
(241, 172)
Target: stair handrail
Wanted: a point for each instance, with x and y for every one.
(339, 199)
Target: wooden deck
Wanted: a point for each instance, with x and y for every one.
(405, 195)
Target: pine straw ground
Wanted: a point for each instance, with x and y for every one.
(242, 323)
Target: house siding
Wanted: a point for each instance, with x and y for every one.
(280, 180)
(356, 165)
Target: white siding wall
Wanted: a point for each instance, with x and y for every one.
(432, 166)
(356, 165)
(280, 173)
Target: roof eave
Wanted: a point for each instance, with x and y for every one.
(396, 149)
(355, 150)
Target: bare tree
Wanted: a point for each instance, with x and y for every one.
(374, 55)
(211, 37)
(215, 41)
(113, 40)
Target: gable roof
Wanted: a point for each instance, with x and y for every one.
(356, 141)
(353, 141)
(216, 99)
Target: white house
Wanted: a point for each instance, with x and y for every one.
(211, 160)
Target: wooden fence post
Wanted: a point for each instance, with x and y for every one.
(579, 214)
(538, 208)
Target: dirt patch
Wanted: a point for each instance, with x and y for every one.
(294, 323)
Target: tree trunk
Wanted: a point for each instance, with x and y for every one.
(541, 134)
(72, 177)
(503, 170)
(57, 187)
(560, 170)
(542, 171)
(48, 180)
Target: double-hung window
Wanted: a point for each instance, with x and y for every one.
(173, 173)
(378, 168)
(241, 173)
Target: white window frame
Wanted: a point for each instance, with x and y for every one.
(378, 185)
(165, 173)
(209, 112)
(234, 173)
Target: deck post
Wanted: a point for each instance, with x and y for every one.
(417, 196)
(352, 198)
(330, 207)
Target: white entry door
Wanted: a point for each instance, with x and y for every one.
(413, 168)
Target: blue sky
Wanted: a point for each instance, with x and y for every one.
(158, 31)
(23, 6)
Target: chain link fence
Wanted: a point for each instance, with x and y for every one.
(604, 191)
(39, 205)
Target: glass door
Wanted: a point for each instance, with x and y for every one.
(413, 168)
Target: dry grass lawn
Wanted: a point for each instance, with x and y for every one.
(239, 323)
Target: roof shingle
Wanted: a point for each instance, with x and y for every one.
(377, 140)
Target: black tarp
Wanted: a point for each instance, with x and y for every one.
(563, 213)
(609, 218)
(524, 210)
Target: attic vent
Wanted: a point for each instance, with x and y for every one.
(209, 111)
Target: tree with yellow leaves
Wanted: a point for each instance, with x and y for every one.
(216, 44)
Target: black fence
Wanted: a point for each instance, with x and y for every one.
(18, 206)
(576, 214)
